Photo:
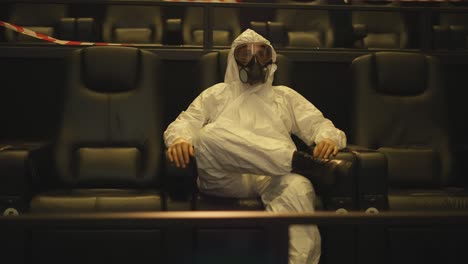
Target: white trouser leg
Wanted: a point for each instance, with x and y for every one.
(294, 193)
(223, 156)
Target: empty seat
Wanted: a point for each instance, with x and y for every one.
(380, 29)
(133, 24)
(42, 18)
(452, 30)
(108, 150)
(225, 24)
(303, 28)
(401, 110)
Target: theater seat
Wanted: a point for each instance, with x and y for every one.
(212, 69)
(303, 28)
(400, 109)
(42, 18)
(341, 198)
(452, 30)
(133, 24)
(225, 23)
(380, 29)
(107, 152)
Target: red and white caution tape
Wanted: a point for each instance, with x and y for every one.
(37, 35)
(41, 36)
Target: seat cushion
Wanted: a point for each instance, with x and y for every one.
(430, 199)
(382, 40)
(96, 200)
(133, 35)
(413, 167)
(119, 166)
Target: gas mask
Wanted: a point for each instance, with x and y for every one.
(253, 60)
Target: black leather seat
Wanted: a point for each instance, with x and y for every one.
(400, 109)
(133, 24)
(225, 23)
(42, 18)
(213, 67)
(107, 153)
(304, 28)
(341, 198)
(380, 29)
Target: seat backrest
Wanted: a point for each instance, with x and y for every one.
(226, 26)
(111, 129)
(400, 109)
(306, 28)
(384, 29)
(448, 19)
(133, 24)
(457, 26)
(213, 68)
(42, 18)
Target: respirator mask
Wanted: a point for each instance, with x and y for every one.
(253, 60)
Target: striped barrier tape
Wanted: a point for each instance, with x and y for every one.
(41, 36)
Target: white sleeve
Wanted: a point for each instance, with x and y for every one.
(187, 123)
(310, 125)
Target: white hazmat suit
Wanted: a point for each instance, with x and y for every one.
(243, 147)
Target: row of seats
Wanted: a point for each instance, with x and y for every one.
(111, 129)
(107, 154)
(288, 28)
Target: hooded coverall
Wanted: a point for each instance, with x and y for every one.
(241, 134)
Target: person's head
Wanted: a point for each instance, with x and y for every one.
(251, 60)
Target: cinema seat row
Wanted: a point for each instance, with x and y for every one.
(286, 28)
(107, 154)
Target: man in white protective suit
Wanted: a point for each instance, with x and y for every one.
(239, 133)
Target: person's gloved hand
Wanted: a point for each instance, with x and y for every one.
(180, 152)
(325, 149)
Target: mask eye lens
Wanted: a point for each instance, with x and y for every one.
(263, 54)
(244, 53)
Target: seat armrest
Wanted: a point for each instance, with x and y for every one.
(343, 195)
(276, 33)
(330, 38)
(180, 183)
(173, 31)
(359, 31)
(85, 29)
(42, 169)
(458, 36)
(441, 37)
(16, 177)
(67, 28)
(371, 171)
